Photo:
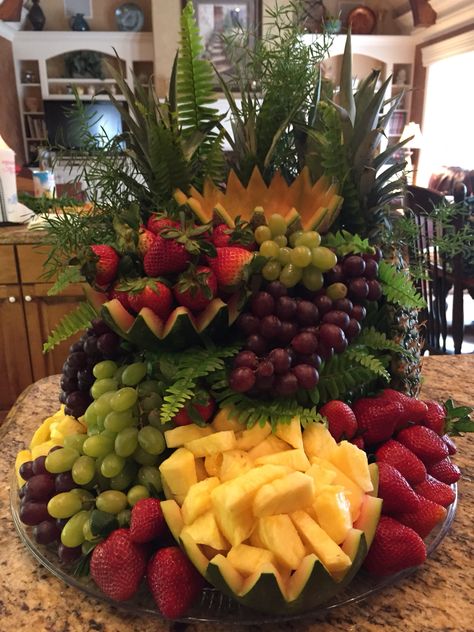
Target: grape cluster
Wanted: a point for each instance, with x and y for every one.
(98, 343)
(287, 337)
(109, 469)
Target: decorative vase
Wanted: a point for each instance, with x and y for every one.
(78, 23)
(36, 16)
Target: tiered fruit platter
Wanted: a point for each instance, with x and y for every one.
(234, 441)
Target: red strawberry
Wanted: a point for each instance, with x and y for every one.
(376, 418)
(156, 223)
(435, 491)
(394, 548)
(342, 423)
(229, 264)
(203, 410)
(173, 581)
(165, 256)
(425, 443)
(395, 490)
(435, 417)
(106, 265)
(448, 419)
(424, 519)
(413, 409)
(450, 444)
(153, 294)
(120, 296)
(196, 288)
(445, 471)
(145, 240)
(118, 565)
(359, 442)
(400, 457)
(221, 236)
(147, 521)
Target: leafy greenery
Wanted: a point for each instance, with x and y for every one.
(71, 323)
(70, 274)
(398, 288)
(345, 243)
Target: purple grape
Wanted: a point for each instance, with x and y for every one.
(246, 359)
(26, 470)
(76, 346)
(342, 304)
(312, 359)
(280, 359)
(107, 344)
(286, 384)
(77, 360)
(21, 492)
(62, 397)
(334, 275)
(78, 402)
(286, 308)
(32, 513)
(276, 289)
(337, 317)
(39, 466)
(287, 332)
(375, 290)
(40, 488)
(264, 369)
(353, 266)
(68, 384)
(64, 482)
(264, 383)
(248, 324)
(100, 327)
(353, 329)
(331, 334)
(242, 379)
(358, 288)
(323, 303)
(358, 312)
(61, 522)
(325, 350)
(270, 327)
(84, 386)
(371, 269)
(68, 555)
(377, 256)
(305, 343)
(257, 344)
(306, 375)
(46, 532)
(68, 370)
(262, 304)
(53, 449)
(90, 346)
(307, 313)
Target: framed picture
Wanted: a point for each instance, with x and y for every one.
(72, 7)
(344, 8)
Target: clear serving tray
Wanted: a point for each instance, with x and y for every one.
(213, 605)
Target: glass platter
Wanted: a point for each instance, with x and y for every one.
(214, 606)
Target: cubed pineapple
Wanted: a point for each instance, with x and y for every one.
(234, 463)
(270, 445)
(322, 475)
(182, 434)
(291, 433)
(353, 463)
(204, 530)
(333, 513)
(248, 559)
(201, 471)
(42, 449)
(294, 459)
(353, 492)
(42, 433)
(198, 499)
(178, 473)
(278, 535)
(66, 426)
(284, 495)
(212, 464)
(212, 444)
(247, 439)
(223, 421)
(318, 441)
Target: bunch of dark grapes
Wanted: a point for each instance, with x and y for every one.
(288, 337)
(98, 343)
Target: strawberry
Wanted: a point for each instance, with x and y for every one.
(376, 418)
(450, 444)
(395, 490)
(445, 471)
(145, 240)
(165, 256)
(156, 223)
(173, 581)
(229, 265)
(400, 457)
(447, 418)
(201, 409)
(196, 288)
(221, 236)
(118, 565)
(394, 548)
(435, 491)
(359, 442)
(147, 521)
(240, 235)
(412, 409)
(342, 423)
(106, 264)
(120, 296)
(435, 417)
(424, 519)
(425, 443)
(152, 294)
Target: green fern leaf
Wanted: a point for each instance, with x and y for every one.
(71, 274)
(378, 341)
(73, 322)
(398, 288)
(368, 361)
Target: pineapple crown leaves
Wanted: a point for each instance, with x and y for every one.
(458, 418)
(77, 320)
(194, 282)
(398, 288)
(344, 243)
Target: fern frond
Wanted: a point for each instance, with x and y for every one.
(70, 274)
(71, 323)
(373, 339)
(345, 242)
(343, 376)
(368, 361)
(398, 288)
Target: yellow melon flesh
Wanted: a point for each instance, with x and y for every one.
(278, 535)
(284, 495)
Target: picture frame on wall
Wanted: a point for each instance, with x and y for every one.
(73, 7)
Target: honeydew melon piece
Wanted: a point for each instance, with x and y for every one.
(353, 462)
(214, 443)
(294, 459)
(198, 499)
(291, 433)
(284, 495)
(178, 436)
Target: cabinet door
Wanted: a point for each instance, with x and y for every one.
(43, 313)
(15, 367)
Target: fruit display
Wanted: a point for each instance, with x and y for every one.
(241, 414)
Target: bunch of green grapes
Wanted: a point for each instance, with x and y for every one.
(296, 258)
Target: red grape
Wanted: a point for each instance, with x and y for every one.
(265, 383)
(307, 313)
(242, 379)
(257, 344)
(375, 290)
(343, 304)
(312, 359)
(286, 308)
(337, 317)
(276, 289)
(306, 375)
(262, 304)
(248, 324)
(358, 312)
(270, 327)
(26, 470)
(107, 344)
(353, 329)
(305, 343)
(286, 384)
(264, 369)
(40, 487)
(371, 269)
(377, 256)
(325, 350)
(287, 332)
(46, 532)
(353, 266)
(331, 334)
(323, 303)
(247, 359)
(334, 275)
(32, 513)
(280, 359)
(358, 288)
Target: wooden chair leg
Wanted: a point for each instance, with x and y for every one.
(458, 317)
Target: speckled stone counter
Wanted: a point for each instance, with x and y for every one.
(20, 235)
(439, 597)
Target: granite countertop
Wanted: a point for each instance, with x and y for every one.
(438, 597)
(21, 235)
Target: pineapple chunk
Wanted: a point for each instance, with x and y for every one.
(353, 463)
(318, 541)
(204, 530)
(173, 516)
(223, 421)
(234, 463)
(291, 433)
(278, 535)
(231, 576)
(182, 434)
(333, 513)
(213, 444)
(232, 501)
(255, 540)
(318, 441)
(42, 433)
(284, 495)
(201, 472)
(247, 559)
(321, 475)
(198, 499)
(178, 473)
(212, 464)
(247, 439)
(294, 459)
(66, 426)
(42, 449)
(270, 445)
(353, 492)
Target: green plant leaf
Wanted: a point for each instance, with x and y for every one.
(71, 323)
(398, 288)
(70, 274)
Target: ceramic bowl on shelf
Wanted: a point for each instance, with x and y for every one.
(129, 17)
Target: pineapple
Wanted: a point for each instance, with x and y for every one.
(178, 473)
(318, 441)
(353, 462)
(333, 513)
(213, 444)
(198, 499)
(294, 459)
(223, 421)
(291, 433)
(234, 463)
(270, 445)
(212, 464)
(247, 439)
(284, 495)
(278, 535)
(182, 434)
(353, 492)
(204, 530)
(322, 475)
(245, 558)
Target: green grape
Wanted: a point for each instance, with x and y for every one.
(134, 373)
(149, 475)
(61, 460)
(151, 440)
(103, 386)
(97, 445)
(154, 418)
(323, 258)
(126, 442)
(294, 236)
(150, 402)
(143, 457)
(83, 470)
(269, 249)
(86, 497)
(118, 421)
(119, 373)
(277, 224)
(301, 256)
(109, 433)
(312, 239)
(75, 441)
(93, 430)
(90, 416)
(105, 369)
(100, 422)
(136, 493)
(111, 501)
(336, 290)
(281, 240)
(87, 532)
(112, 465)
(123, 518)
(148, 387)
(284, 255)
(123, 480)
(124, 398)
(313, 278)
(73, 531)
(290, 275)
(262, 233)
(271, 270)
(102, 404)
(64, 505)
